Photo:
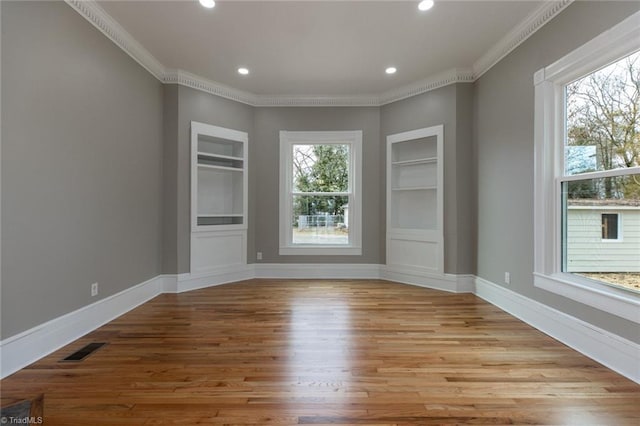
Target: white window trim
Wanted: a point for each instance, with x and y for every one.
(354, 140)
(619, 41)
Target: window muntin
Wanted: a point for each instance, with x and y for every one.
(320, 193)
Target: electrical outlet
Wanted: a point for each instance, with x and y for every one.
(94, 289)
(507, 278)
(259, 255)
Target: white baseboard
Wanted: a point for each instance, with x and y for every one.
(29, 346)
(613, 351)
(425, 278)
(169, 283)
(318, 270)
(213, 277)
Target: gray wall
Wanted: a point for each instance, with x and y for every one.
(81, 165)
(452, 107)
(504, 141)
(265, 148)
(170, 180)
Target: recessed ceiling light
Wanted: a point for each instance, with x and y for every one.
(425, 5)
(208, 3)
(391, 70)
(243, 71)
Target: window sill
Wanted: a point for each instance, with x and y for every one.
(321, 251)
(608, 299)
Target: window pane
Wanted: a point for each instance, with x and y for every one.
(603, 119)
(609, 226)
(321, 168)
(320, 220)
(601, 229)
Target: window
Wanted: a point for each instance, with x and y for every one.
(320, 193)
(609, 226)
(587, 172)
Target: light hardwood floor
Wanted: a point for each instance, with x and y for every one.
(290, 352)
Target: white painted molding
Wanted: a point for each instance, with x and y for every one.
(315, 101)
(97, 16)
(29, 346)
(193, 81)
(452, 76)
(612, 44)
(214, 277)
(423, 277)
(466, 283)
(318, 270)
(615, 352)
(521, 32)
(168, 283)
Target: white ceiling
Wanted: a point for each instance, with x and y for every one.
(319, 48)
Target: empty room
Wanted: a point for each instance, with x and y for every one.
(322, 212)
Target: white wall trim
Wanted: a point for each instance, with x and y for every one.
(452, 76)
(98, 17)
(29, 346)
(214, 277)
(168, 283)
(318, 270)
(521, 32)
(423, 277)
(193, 81)
(615, 352)
(315, 101)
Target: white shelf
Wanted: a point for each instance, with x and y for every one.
(208, 166)
(218, 178)
(415, 199)
(429, 160)
(416, 188)
(219, 183)
(218, 156)
(220, 215)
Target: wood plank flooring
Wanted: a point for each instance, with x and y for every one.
(265, 352)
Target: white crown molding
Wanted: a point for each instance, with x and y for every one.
(315, 101)
(187, 79)
(92, 12)
(97, 16)
(452, 76)
(518, 35)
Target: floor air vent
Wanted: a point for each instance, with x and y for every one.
(84, 352)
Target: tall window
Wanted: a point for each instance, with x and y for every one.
(320, 193)
(601, 172)
(587, 173)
